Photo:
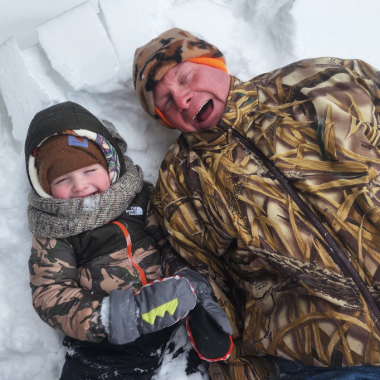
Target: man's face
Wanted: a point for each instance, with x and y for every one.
(192, 96)
(80, 183)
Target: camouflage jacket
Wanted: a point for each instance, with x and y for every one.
(317, 121)
(70, 277)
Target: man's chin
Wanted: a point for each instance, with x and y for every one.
(206, 126)
(210, 122)
(189, 127)
(197, 127)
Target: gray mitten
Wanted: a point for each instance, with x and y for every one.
(155, 306)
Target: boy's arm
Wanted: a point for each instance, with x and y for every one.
(172, 263)
(57, 297)
(75, 311)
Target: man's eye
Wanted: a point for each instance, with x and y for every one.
(89, 171)
(184, 79)
(166, 104)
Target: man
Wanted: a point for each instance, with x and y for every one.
(292, 254)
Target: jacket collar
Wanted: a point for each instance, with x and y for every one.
(242, 104)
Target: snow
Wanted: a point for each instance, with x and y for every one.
(133, 29)
(19, 17)
(22, 93)
(344, 30)
(78, 48)
(38, 63)
(83, 51)
(174, 364)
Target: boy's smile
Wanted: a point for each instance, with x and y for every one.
(80, 183)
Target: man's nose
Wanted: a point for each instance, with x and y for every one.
(182, 97)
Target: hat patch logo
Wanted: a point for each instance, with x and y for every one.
(78, 141)
(134, 210)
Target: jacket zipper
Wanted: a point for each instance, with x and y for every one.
(336, 253)
(129, 252)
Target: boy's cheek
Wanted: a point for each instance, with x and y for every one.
(104, 184)
(107, 185)
(60, 192)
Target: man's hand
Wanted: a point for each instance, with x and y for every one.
(155, 306)
(207, 324)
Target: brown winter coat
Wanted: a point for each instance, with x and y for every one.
(70, 277)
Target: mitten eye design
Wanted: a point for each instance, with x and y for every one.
(160, 311)
(154, 307)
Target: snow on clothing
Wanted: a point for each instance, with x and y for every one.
(317, 121)
(70, 274)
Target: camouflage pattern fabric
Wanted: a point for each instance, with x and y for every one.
(70, 277)
(317, 121)
(153, 60)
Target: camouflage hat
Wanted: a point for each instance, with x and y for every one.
(153, 60)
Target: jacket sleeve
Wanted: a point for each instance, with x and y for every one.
(195, 227)
(204, 243)
(191, 235)
(172, 263)
(57, 297)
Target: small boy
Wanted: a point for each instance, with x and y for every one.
(98, 253)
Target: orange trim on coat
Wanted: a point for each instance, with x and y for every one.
(129, 252)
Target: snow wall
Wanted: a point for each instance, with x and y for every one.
(84, 53)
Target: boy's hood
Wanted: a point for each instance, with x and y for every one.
(69, 116)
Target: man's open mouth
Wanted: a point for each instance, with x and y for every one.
(204, 112)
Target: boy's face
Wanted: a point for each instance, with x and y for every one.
(80, 183)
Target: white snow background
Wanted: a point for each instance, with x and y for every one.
(53, 51)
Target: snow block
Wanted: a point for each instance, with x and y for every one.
(78, 47)
(214, 23)
(133, 29)
(36, 60)
(23, 95)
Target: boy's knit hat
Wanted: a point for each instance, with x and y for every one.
(64, 153)
(71, 118)
(153, 60)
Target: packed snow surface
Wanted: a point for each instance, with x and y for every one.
(91, 64)
(83, 51)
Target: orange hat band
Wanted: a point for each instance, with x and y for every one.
(213, 62)
(161, 115)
